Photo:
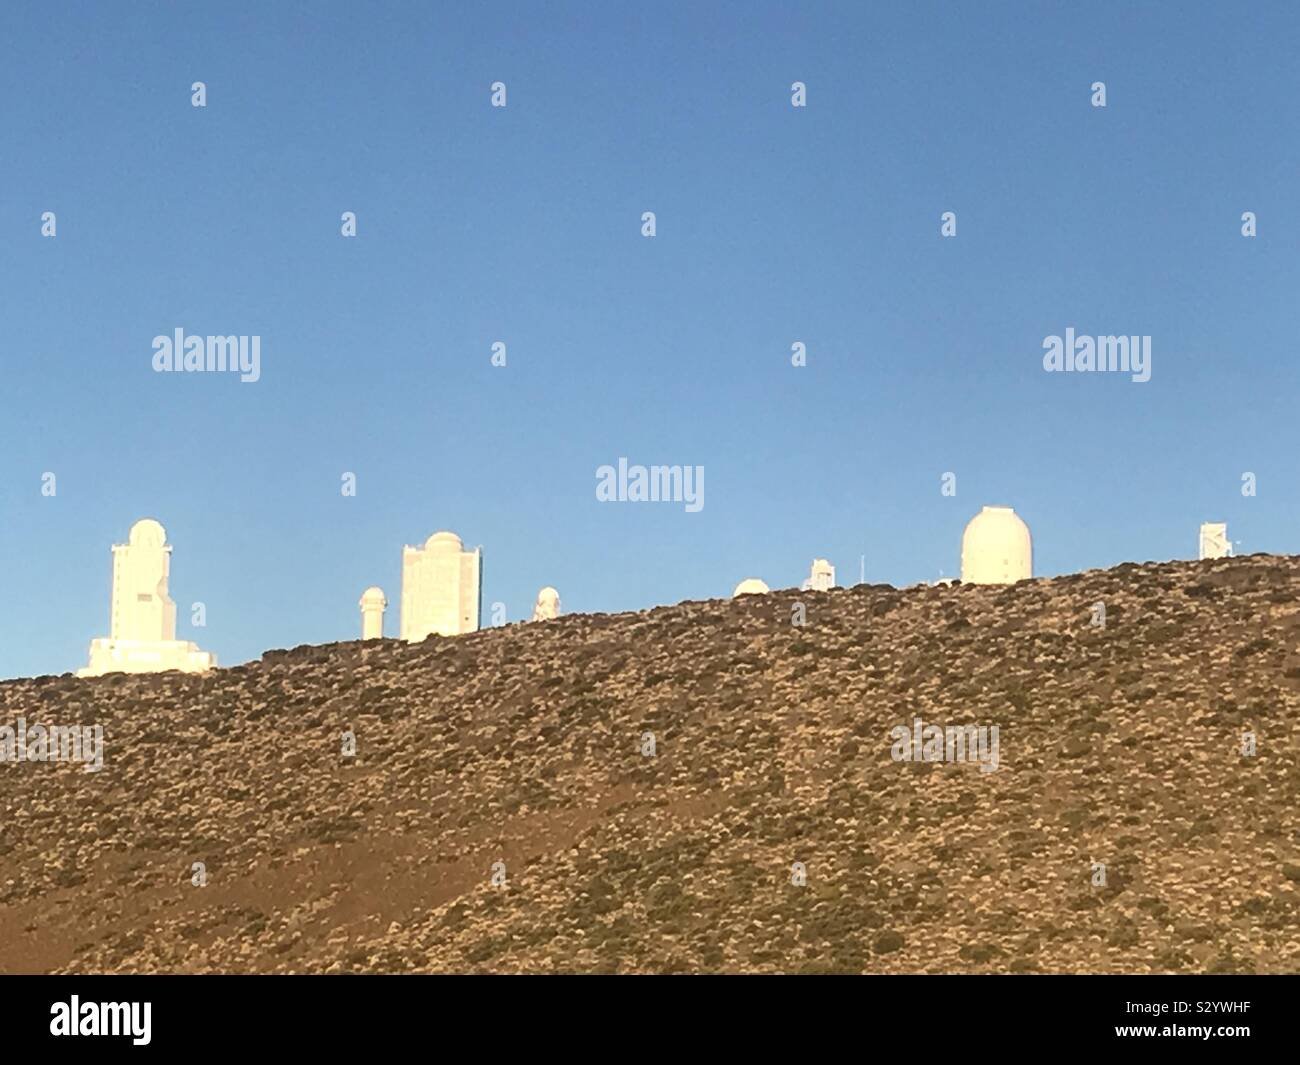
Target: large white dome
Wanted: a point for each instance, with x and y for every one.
(996, 548)
(750, 586)
(443, 541)
(147, 533)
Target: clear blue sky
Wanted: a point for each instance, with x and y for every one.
(522, 225)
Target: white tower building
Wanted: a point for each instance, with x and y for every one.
(1214, 540)
(142, 616)
(822, 576)
(373, 603)
(440, 588)
(996, 548)
(548, 604)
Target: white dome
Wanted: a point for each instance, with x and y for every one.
(750, 586)
(547, 605)
(996, 548)
(147, 533)
(373, 595)
(443, 541)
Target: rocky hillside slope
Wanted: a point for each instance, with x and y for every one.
(526, 745)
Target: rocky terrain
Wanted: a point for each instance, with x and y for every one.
(527, 745)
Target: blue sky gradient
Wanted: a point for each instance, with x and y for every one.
(775, 225)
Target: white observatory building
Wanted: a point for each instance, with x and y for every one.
(750, 586)
(440, 588)
(822, 576)
(1214, 540)
(996, 548)
(373, 603)
(547, 607)
(142, 622)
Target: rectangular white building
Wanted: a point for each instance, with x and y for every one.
(441, 588)
(1214, 540)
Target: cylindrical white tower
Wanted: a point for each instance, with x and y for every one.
(996, 548)
(750, 586)
(547, 605)
(373, 604)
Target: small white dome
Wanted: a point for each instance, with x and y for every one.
(996, 548)
(373, 595)
(750, 586)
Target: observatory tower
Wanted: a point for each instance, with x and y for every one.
(142, 617)
(373, 602)
(996, 548)
(822, 577)
(547, 607)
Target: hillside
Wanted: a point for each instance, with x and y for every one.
(524, 744)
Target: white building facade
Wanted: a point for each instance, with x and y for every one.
(441, 588)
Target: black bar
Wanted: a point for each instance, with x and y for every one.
(591, 1015)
